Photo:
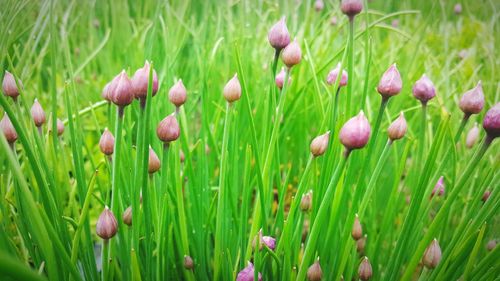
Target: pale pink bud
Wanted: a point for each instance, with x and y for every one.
(472, 101)
(397, 129)
(319, 144)
(280, 78)
(9, 85)
(351, 7)
(168, 129)
(106, 92)
(439, 188)
(127, 216)
(491, 121)
(107, 142)
(357, 230)
(121, 90)
(390, 84)
(177, 94)
(8, 129)
(154, 163)
(333, 74)
(355, 132)
(292, 54)
(107, 225)
(232, 90)
(247, 273)
(334, 21)
(306, 202)
(491, 245)
(269, 241)
(319, 5)
(395, 23)
(360, 244)
(188, 262)
(278, 35)
(60, 127)
(140, 81)
(37, 113)
(314, 272)
(457, 9)
(365, 270)
(424, 89)
(472, 136)
(432, 255)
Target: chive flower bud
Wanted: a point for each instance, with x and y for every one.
(432, 255)
(472, 101)
(397, 129)
(439, 188)
(278, 35)
(188, 262)
(365, 269)
(334, 21)
(247, 273)
(357, 230)
(9, 85)
(351, 7)
(168, 130)
(319, 144)
(355, 132)
(472, 136)
(121, 90)
(107, 142)
(486, 196)
(154, 163)
(8, 129)
(182, 156)
(390, 83)
(360, 244)
(280, 78)
(424, 89)
(306, 202)
(269, 241)
(491, 121)
(292, 54)
(37, 113)
(60, 127)
(127, 216)
(107, 225)
(177, 94)
(140, 82)
(314, 272)
(491, 245)
(319, 5)
(333, 74)
(106, 91)
(457, 9)
(232, 89)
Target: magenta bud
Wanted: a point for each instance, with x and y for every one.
(319, 5)
(365, 270)
(306, 202)
(439, 188)
(107, 142)
(357, 230)
(319, 144)
(356, 132)
(37, 113)
(472, 101)
(154, 163)
(314, 272)
(333, 74)
(351, 7)
(457, 8)
(292, 54)
(486, 196)
(140, 82)
(127, 216)
(188, 262)
(9, 85)
(432, 255)
(424, 89)
(177, 94)
(60, 127)
(280, 78)
(247, 273)
(278, 35)
(168, 130)
(8, 129)
(472, 136)
(232, 89)
(397, 129)
(491, 121)
(107, 225)
(121, 90)
(390, 84)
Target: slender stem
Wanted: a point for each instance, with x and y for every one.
(421, 146)
(461, 128)
(105, 259)
(350, 68)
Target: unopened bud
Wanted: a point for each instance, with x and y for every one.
(8, 129)
(60, 127)
(140, 82)
(37, 113)
(232, 90)
(351, 7)
(432, 255)
(107, 225)
(356, 132)
(424, 89)
(472, 101)
(439, 187)
(107, 142)
(334, 73)
(121, 90)
(357, 230)
(491, 245)
(319, 5)
(365, 270)
(278, 35)
(247, 274)
(127, 216)
(292, 54)
(314, 272)
(472, 136)
(9, 85)
(154, 163)
(397, 129)
(188, 263)
(280, 79)
(491, 121)
(390, 83)
(177, 94)
(319, 144)
(360, 244)
(486, 196)
(306, 202)
(168, 130)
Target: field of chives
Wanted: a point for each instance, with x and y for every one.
(249, 140)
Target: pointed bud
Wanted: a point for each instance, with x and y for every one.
(491, 245)
(177, 94)
(314, 272)
(188, 262)
(292, 54)
(397, 129)
(9, 85)
(168, 130)
(365, 270)
(472, 101)
(357, 230)
(269, 241)
(333, 74)
(280, 78)
(60, 127)
(351, 7)
(360, 244)
(140, 81)
(106, 92)
(107, 142)
(356, 132)
(491, 121)
(127, 216)
(278, 35)
(121, 90)
(439, 188)
(8, 129)
(472, 136)
(232, 90)
(306, 202)
(486, 196)
(154, 163)
(319, 144)
(424, 89)
(319, 5)
(457, 9)
(247, 274)
(432, 255)
(37, 113)
(107, 225)
(390, 84)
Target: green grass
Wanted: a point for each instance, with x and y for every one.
(246, 165)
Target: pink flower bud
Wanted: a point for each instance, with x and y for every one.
(107, 142)
(106, 92)
(333, 74)
(154, 163)
(319, 144)
(357, 230)
(472, 136)
(292, 54)
(280, 78)
(121, 90)
(9, 85)
(60, 127)
(397, 129)
(319, 5)
(457, 9)
(395, 23)
(390, 84)
(188, 263)
(8, 129)
(351, 7)
(334, 21)
(432, 255)
(486, 196)
(314, 272)
(127, 216)
(491, 245)
(269, 241)
(306, 202)
(278, 35)
(365, 270)
(247, 273)
(439, 188)
(472, 101)
(177, 94)
(355, 132)
(37, 113)
(360, 244)
(424, 89)
(140, 81)
(107, 225)
(232, 90)
(168, 130)
(491, 121)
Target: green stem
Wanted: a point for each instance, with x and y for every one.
(350, 69)
(105, 259)
(461, 128)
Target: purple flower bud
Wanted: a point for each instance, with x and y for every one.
(8, 129)
(168, 130)
(306, 202)
(60, 127)
(188, 262)
(333, 74)
(292, 54)
(37, 113)
(439, 188)
(107, 142)
(140, 81)
(269, 241)
(472, 136)
(121, 90)
(278, 35)
(232, 90)
(319, 5)
(351, 7)
(177, 94)
(457, 9)
(365, 270)
(472, 101)
(280, 79)
(9, 85)
(432, 255)
(357, 230)
(390, 84)
(397, 129)
(314, 272)
(106, 93)
(127, 216)
(107, 225)
(355, 132)
(154, 163)
(360, 244)
(491, 121)
(424, 89)
(247, 273)
(319, 144)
